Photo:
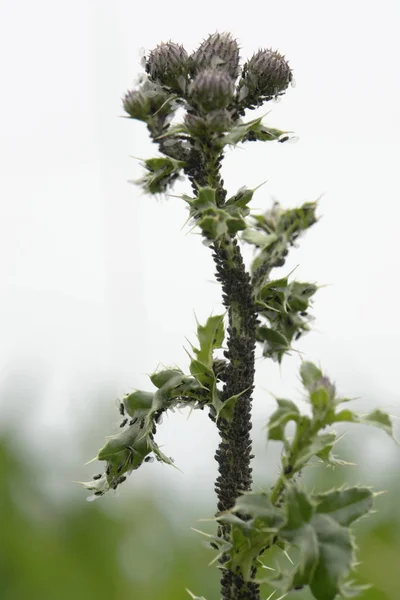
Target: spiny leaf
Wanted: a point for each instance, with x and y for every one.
(210, 336)
(316, 446)
(159, 378)
(336, 552)
(286, 411)
(345, 506)
(376, 418)
(309, 374)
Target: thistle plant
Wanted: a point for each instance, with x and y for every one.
(262, 309)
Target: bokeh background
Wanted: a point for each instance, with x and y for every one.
(99, 283)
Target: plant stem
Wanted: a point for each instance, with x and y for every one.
(234, 451)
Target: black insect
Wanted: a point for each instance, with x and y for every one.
(133, 421)
(98, 493)
(283, 139)
(121, 409)
(149, 459)
(97, 476)
(214, 545)
(124, 422)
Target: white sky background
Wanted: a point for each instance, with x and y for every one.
(98, 282)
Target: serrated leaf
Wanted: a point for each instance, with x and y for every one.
(242, 197)
(345, 506)
(299, 532)
(316, 446)
(286, 411)
(258, 506)
(275, 343)
(238, 132)
(210, 336)
(258, 238)
(138, 400)
(336, 553)
(376, 418)
(228, 406)
(159, 378)
(309, 374)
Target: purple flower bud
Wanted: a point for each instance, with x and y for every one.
(219, 50)
(265, 76)
(212, 89)
(168, 65)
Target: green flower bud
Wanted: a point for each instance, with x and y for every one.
(212, 89)
(216, 121)
(219, 50)
(265, 76)
(137, 105)
(148, 100)
(219, 121)
(168, 65)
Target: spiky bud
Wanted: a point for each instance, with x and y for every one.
(219, 50)
(136, 104)
(168, 65)
(265, 76)
(216, 121)
(148, 100)
(212, 89)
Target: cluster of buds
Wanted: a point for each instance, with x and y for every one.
(206, 81)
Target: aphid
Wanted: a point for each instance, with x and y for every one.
(122, 479)
(133, 421)
(214, 545)
(142, 423)
(108, 470)
(149, 459)
(124, 422)
(159, 419)
(298, 335)
(121, 409)
(98, 493)
(283, 138)
(97, 476)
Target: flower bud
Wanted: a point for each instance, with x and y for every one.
(219, 50)
(146, 101)
(216, 121)
(168, 65)
(137, 105)
(266, 75)
(212, 89)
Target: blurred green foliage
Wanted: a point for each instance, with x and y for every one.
(79, 550)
